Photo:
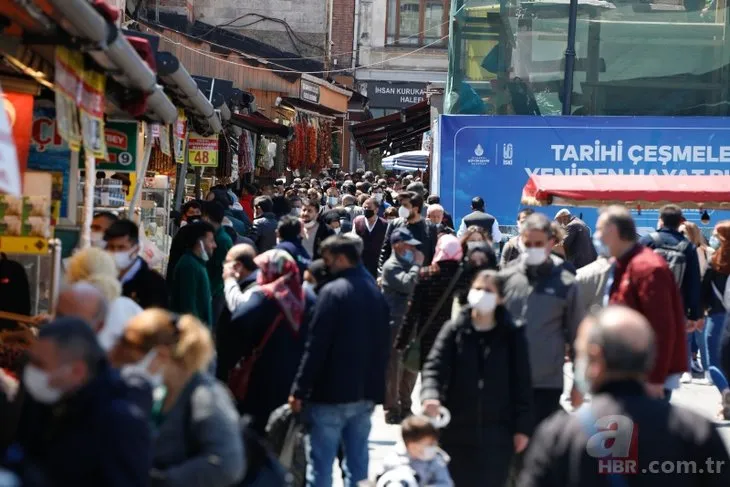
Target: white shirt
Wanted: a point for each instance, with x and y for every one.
(496, 233)
(367, 224)
(120, 312)
(129, 275)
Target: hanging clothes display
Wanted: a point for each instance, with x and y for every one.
(223, 170)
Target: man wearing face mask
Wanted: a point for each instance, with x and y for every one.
(264, 225)
(190, 290)
(89, 404)
(315, 231)
(289, 236)
(409, 216)
(331, 218)
(513, 248)
(378, 194)
(542, 295)
(615, 356)
(141, 284)
(99, 225)
(371, 229)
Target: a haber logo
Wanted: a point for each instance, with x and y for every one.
(478, 159)
(116, 139)
(614, 443)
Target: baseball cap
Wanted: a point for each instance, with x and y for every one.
(403, 235)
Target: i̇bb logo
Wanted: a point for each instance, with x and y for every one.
(614, 443)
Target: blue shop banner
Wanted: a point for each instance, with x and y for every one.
(493, 156)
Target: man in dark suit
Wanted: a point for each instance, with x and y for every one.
(143, 285)
(578, 244)
(371, 229)
(623, 430)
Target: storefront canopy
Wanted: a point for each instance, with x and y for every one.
(708, 192)
(259, 124)
(398, 132)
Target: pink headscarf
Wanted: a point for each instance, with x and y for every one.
(448, 248)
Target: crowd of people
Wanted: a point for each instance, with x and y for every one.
(331, 296)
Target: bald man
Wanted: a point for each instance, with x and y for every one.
(239, 272)
(83, 300)
(629, 431)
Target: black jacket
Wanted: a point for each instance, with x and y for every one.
(298, 253)
(14, 289)
(557, 456)
(323, 232)
(480, 219)
(147, 288)
(710, 302)
(578, 244)
(341, 363)
(264, 232)
(481, 377)
(372, 241)
(423, 230)
(228, 351)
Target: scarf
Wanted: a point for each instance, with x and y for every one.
(279, 279)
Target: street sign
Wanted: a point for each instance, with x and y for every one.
(203, 151)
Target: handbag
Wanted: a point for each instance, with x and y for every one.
(412, 353)
(240, 375)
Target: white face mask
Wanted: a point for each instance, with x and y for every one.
(429, 453)
(535, 256)
(140, 368)
(404, 212)
(296, 211)
(97, 240)
(124, 259)
(310, 224)
(338, 230)
(35, 381)
(332, 201)
(474, 243)
(482, 301)
(203, 253)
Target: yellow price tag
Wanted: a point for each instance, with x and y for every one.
(203, 151)
(24, 245)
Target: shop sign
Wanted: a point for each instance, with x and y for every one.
(384, 94)
(203, 151)
(121, 141)
(310, 92)
(50, 153)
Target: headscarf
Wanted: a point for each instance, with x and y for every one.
(721, 257)
(278, 279)
(448, 248)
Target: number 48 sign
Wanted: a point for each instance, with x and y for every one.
(203, 151)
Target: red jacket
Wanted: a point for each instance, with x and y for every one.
(643, 281)
(247, 204)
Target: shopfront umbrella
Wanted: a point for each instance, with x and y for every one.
(416, 160)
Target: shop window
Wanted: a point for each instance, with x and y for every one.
(417, 22)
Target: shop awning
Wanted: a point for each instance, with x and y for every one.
(311, 108)
(259, 124)
(706, 192)
(398, 132)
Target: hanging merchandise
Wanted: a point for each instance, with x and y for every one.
(311, 147)
(92, 112)
(281, 155)
(234, 167)
(181, 130)
(68, 68)
(261, 152)
(223, 171)
(160, 162)
(165, 140)
(245, 162)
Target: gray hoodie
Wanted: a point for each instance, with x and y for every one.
(547, 301)
(399, 279)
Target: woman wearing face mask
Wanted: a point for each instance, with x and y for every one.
(97, 267)
(478, 258)
(478, 369)
(435, 286)
(716, 302)
(473, 237)
(198, 440)
(273, 321)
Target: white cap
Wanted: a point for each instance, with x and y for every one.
(563, 212)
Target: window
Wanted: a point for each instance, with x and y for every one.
(417, 22)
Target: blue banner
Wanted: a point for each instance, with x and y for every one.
(493, 156)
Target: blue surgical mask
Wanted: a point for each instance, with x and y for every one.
(601, 248)
(715, 242)
(408, 256)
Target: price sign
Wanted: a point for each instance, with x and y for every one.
(203, 151)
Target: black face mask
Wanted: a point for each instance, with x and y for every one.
(369, 213)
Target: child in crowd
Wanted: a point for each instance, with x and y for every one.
(418, 461)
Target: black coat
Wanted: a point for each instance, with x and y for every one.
(274, 371)
(98, 436)
(264, 232)
(228, 351)
(483, 378)
(557, 456)
(578, 244)
(372, 242)
(147, 288)
(323, 232)
(349, 343)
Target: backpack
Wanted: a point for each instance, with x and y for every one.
(725, 296)
(675, 255)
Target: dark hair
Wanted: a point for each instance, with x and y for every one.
(265, 203)
(220, 195)
(525, 212)
(250, 188)
(281, 206)
(197, 231)
(621, 217)
(313, 203)
(671, 216)
(494, 276)
(289, 228)
(123, 228)
(434, 199)
(247, 261)
(108, 215)
(416, 428)
(76, 341)
(392, 211)
(214, 211)
(415, 199)
(366, 187)
(349, 188)
(477, 203)
(331, 216)
(191, 204)
(338, 245)
(417, 187)
(539, 222)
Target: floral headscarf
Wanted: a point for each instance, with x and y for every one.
(448, 248)
(278, 279)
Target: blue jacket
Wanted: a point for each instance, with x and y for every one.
(692, 283)
(349, 343)
(98, 436)
(298, 252)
